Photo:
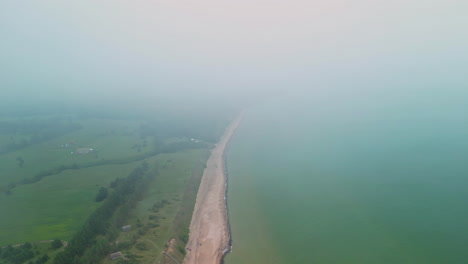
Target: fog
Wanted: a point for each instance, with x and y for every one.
(209, 51)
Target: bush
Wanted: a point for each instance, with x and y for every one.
(181, 250)
(102, 194)
(56, 244)
(42, 259)
(184, 238)
(141, 246)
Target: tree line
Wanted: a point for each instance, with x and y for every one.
(21, 254)
(96, 237)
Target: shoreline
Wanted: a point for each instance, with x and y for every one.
(210, 236)
(228, 249)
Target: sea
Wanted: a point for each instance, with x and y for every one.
(343, 177)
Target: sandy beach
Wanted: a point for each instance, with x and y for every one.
(209, 230)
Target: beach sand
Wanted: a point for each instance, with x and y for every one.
(209, 230)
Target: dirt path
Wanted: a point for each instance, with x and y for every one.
(209, 231)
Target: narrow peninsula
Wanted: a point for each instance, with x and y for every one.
(209, 229)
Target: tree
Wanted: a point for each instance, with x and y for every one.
(141, 246)
(20, 161)
(27, 245)
(17, 255)
(56, 244)
(102, 194)
(144, 165)
(43, 259)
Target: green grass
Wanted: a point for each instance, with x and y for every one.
(59, 204)
(177, 183)
(5, 139)
(110, 138)
(56, 206)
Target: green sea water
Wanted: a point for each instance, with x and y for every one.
(351, 179)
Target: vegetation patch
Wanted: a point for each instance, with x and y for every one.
(96, 237)
(163, 214)
(40, 252)
(79, 177)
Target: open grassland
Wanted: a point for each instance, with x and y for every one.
(149, 170)
(111, 139)
(56, 206)
(163, 216)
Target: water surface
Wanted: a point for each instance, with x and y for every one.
(351, 179)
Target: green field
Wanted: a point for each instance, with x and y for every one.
(177, 183)
(57, 204)
(110, 139)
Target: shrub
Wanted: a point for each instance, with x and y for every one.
(56, 244)
(141, 246)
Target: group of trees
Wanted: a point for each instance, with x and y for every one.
(21, 254)
(96, 238)
(17, 255)
(56, 244)
(138, 146)
(102, 194)
(43, 259)
(20, 161)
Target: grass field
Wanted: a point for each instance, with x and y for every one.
(110, 138)
(177, 184)
(57, 205)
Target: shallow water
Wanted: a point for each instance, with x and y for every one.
(336, 179)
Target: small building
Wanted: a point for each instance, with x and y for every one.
(126, 228)
(84, 150)
(115, 255)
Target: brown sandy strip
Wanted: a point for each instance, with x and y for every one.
(209, 230)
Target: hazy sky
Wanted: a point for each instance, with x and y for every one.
(91, 49)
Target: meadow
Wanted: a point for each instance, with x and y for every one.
(109, 139)
(54, 206)
(58, 203)
(160, 220)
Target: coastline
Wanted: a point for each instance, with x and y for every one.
(210, 238)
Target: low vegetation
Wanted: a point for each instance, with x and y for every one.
(30, 253)
(140, 172)
(102, 194)
(96, 237)
(26, 133)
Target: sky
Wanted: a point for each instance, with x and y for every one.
(135, 50)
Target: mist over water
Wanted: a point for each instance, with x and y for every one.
(350, 180)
